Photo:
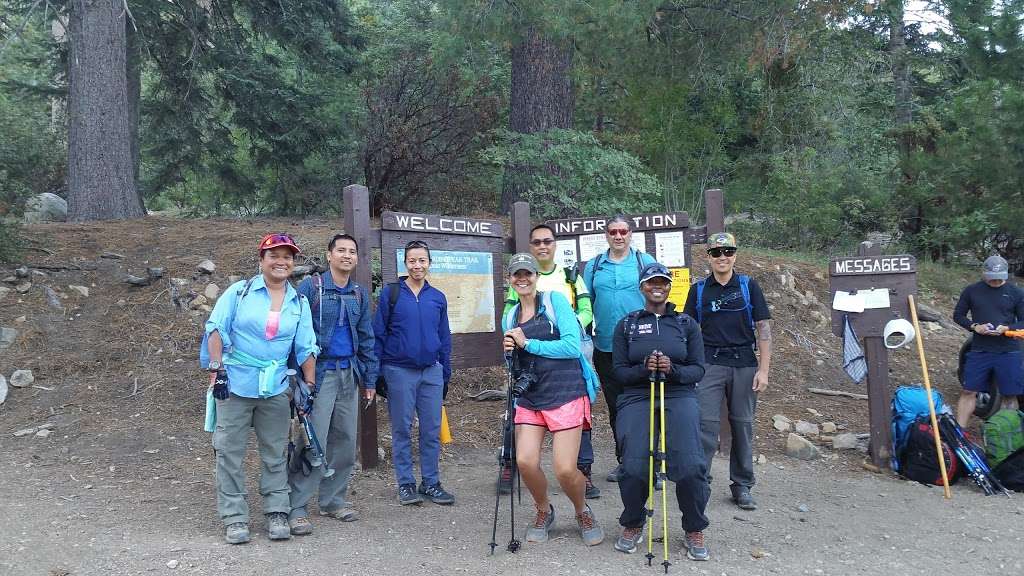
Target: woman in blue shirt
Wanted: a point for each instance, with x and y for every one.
(252, 330)
(556, 400)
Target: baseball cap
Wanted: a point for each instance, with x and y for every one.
(996, 268)
(522, 261)
(721, 240)
(274, 240)
(655, 270)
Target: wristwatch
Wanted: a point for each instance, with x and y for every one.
(214, 366)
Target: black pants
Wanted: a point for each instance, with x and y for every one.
(686, 465)
(612, 390)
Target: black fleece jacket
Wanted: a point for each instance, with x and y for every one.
(674, 334)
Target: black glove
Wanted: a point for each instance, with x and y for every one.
(220, 385)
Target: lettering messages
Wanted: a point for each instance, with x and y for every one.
(865, 265)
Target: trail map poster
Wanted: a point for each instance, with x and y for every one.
(466, 278)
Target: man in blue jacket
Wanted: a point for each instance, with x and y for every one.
(414, 345)
(341, 320)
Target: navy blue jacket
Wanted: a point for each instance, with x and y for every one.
(326, 309)
(416, 334)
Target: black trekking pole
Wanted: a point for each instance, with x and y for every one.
(506, 457)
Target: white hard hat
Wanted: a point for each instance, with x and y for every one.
(898, 327)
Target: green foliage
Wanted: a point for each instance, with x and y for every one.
(573, 173)
(11, 241)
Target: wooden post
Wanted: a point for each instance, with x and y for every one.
(521, 226)
(357, 224)
(714, 210)
(877, 357)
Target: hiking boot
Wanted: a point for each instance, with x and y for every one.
(300, 526)
(345, 514)
(695, 548)
(407, 495)
(615, 474)
(538, 531)
(589, 529)
(237, 533)
(629, 540)
(745, 501)
(505, 481)
(592, 491)
(277, 526)
(437, 494)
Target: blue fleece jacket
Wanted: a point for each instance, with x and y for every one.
(416, 333)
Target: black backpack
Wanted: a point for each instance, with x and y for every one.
(1010, 471)
(393, 290)
(917, 459)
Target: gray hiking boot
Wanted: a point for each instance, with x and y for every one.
(615, 474)
(538, 531)
(745, 501)
(277, 526)
(629, 540)
(695, 548)
(589, 529)
(300, 526)
(237, 533)
(346, 514)
(592, 491)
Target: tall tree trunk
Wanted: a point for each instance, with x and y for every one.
(133, 73)
(541, 98)
(900, 73)
(101, 173)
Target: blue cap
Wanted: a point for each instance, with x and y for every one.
(655, 270)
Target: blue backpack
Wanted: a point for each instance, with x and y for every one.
(909, 404)
(744, 281)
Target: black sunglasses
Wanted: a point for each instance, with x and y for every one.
(544, 241)
(717, 252)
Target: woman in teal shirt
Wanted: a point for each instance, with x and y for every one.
(252, 330)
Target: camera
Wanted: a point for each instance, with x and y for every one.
(522, 378)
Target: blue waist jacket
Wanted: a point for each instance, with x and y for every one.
(415, 334)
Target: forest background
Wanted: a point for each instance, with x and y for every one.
(825, 121)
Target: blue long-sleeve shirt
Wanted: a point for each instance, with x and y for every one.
(982, 304)
(326, 308)
(247, 333)
(568, 343)
(415, 334)
(615, 291)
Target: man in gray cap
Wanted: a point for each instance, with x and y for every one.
(988, 309)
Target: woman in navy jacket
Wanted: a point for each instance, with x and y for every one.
(659, 340)
(414, 345)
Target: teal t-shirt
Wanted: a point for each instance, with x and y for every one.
(615, 291)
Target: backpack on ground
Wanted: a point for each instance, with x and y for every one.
(1003, 434)
(910, 404)
(393, 290)
(1010, 471)
(918, 461)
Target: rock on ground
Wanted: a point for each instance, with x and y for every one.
(781, 423)
(211, 292)
(83, 290)
(206, 267)
(801, 448)
(845, 441)
(46, 207)
(3, 389)
(806, 428)
(7, 336)
(22, 378)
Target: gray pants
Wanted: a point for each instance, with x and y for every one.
(335, 419)
(270, 419)
(735, 384)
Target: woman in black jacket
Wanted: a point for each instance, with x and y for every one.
(662, 341)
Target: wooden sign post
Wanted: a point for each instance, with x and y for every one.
(881, 284)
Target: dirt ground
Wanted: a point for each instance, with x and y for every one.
(123, 484)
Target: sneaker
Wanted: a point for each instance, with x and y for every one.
(237, 533)
(505, 481)
(745, 501)
(695, 548)
(615, 474)
(437, 494)
(589, 529)
(277, 526)
(538, 531)
(300, 526)
(345, 514)
(592, 491)
(629, 540)
(407, 495)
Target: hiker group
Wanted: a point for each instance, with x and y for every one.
(317, 351)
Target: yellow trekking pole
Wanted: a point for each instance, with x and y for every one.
(931, 403)
(663, 455)
(650, 478)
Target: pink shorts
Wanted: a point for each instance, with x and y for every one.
(565, 417)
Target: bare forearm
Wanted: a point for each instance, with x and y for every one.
(309, 369)
(215, 346)
(764, 344)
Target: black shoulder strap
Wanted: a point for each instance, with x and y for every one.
(629, 325)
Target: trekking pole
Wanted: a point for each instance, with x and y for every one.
(931, 404)
(663, 456)
(506, 457)
(649, 508)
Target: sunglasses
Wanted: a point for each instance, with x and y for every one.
(542, 241)
(416, 244)
(718, 252)
(618, 232)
